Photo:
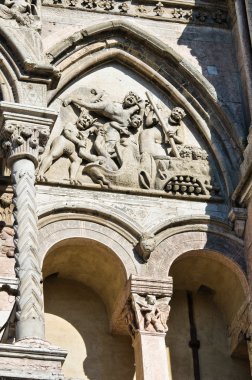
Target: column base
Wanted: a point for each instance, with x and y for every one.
(25, 362)
(30, 328)
(151, 356)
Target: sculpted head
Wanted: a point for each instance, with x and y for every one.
(131, 99)
(147, 245)
(151, 300)
(136, 121)
(85, 120)
(177, 114)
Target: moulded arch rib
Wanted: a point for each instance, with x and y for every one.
(22, 61)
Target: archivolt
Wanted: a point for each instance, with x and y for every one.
(122, 42)
(217, 245)
(63, 229)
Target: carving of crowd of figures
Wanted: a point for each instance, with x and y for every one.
(133, 147)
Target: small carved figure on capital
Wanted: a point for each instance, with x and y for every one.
(152, 313)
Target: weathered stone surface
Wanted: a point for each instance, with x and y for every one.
(135, 182)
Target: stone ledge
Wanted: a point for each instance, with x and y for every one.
(27, 362)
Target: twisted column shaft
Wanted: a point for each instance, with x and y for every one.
(24, 132)
(30, 318)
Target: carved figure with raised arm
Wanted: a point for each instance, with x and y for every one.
(118, 114)
(72, 143)
(154, 140)
(152, 313)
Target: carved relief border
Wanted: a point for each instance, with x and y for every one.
(216, 15)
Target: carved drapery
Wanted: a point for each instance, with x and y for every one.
(24, 133)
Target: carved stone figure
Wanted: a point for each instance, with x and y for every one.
(72, 143)
(151, 313)
(6, 208)
(7, 246)
(119, 114)
(147, 244)
(19, 10)
(155, 140)
(130, 145)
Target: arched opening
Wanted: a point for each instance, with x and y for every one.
(208, 293)
(82, 280)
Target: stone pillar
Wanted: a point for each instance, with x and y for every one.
(24, 133)
(151, 356)
(147, 312)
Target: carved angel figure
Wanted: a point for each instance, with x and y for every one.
(152, 313)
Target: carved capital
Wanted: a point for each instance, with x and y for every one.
(143, 306)
(24, 131)
(238, 216)
(148, 313)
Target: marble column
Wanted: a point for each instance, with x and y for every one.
(24, 133)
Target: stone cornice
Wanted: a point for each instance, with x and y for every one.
(206, 13)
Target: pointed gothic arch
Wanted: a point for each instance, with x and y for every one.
(120, 41)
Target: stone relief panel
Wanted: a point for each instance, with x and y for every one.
(6, 222)
(131, 137)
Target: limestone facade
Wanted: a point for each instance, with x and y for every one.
(125, 192)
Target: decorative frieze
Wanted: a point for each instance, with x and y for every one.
(159, 10)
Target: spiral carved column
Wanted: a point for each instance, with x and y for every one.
(30, 318)
(23, 136)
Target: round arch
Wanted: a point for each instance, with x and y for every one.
(61, 230)
(225, 248)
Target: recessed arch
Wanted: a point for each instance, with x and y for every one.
(120, 41)
(62, 230)
(221, 246)
(210, 292)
